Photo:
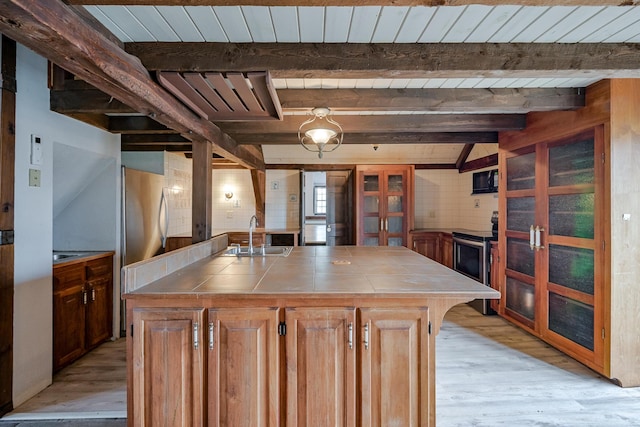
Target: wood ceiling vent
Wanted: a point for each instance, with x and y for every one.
(225, 96)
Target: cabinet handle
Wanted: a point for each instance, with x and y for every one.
(210, 335)
(386, 224)
(366, 336)
(381, 224)
(84, 297)
(196, 341)
(93, 294)
(350, 335)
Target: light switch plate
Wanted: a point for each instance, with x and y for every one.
(36, 150)
(34, 177)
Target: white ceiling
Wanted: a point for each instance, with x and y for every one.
(381, 24)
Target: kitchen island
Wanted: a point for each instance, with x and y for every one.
(327, 336)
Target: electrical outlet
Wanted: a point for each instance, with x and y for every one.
(34, 177)
(275, 185)
(229, 214)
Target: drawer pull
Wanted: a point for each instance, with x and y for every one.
(210, 335)
(350, 335)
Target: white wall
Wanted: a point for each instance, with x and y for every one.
(234, 213)
(32, 351)
(443, 200)
(282, 199)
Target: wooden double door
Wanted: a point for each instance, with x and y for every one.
(280, 366)
(553, 256)
(384, 205)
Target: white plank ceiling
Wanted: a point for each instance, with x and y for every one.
(380, 24)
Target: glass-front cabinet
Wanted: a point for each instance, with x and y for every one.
(554, 241)
(383, 205)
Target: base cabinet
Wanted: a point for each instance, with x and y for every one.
(336, 366)
(435, 245)
(82, 308)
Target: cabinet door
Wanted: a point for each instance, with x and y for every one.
(168, 370)
(394, 369)
(320, 367)
(572, 281)
(371, 209)
(99, 311)
(427, 244)
(520, 294)
(446, 244)
(396, 196)
(68, 325)
(243, 374)
(495, 276)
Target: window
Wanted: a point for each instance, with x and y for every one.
(319, 200)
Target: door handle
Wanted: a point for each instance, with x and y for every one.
(350, 335)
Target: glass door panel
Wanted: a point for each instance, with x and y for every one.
(395, 241)
(572, 215)
(394, 204)
(395, 183)
(572, 319)
(371, 224)
(521, 172)
(520, 298)
(371, 204)
(571, 164)
(520, 257)
(395, 225)
(520, 213)
(572, 268)
(371, 183)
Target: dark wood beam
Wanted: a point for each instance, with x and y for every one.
(482, 162)
(137, 124)
(258, 179)
(311, 167)
(201, 218)
(441, 100)
(394, 60)
(389, 123)
(54, 30)
(355, 2)
(436, 166)
(464, 154)
(168, 138)
(92, 101)
(377, 138)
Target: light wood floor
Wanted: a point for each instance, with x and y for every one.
(489, 373)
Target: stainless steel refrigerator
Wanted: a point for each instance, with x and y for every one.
(145, 221)
(145, 215)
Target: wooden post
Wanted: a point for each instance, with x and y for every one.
(7, 208)
(201, 196)
(258, 178)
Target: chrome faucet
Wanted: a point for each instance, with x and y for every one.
(253, 223)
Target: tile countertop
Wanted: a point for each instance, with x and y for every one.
(347, 271)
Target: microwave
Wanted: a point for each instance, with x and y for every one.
(485, 182)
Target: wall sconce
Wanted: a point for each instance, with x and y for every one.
(320, 134)
(228, 195)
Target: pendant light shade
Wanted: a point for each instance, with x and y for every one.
(320, 134)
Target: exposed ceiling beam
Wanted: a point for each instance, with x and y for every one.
(55, 31)
(173, 139)
(398, 137)
(395, 60)
(464, 154)
(355, 2)
(441, 100)
(390, 123)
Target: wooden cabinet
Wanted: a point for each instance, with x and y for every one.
(297, 366)
(321, 376)
(435, 245)
(168, 356)
(384, 205)
(394, 374)
(82, 308)
(242, 238)
(243, 374)
(554, 242)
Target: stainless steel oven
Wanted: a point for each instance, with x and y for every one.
(471, 257)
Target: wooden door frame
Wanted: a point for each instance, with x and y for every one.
(7, 208)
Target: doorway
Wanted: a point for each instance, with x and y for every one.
(327, 208)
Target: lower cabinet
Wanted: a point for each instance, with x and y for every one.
(272, 366)
(168, 373)
(435, 245)
(82, 308)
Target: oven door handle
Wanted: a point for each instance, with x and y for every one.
(468, 242)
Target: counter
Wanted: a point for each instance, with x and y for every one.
(324, 332)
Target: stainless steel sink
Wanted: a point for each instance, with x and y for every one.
(258, 251)
(57, 257)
